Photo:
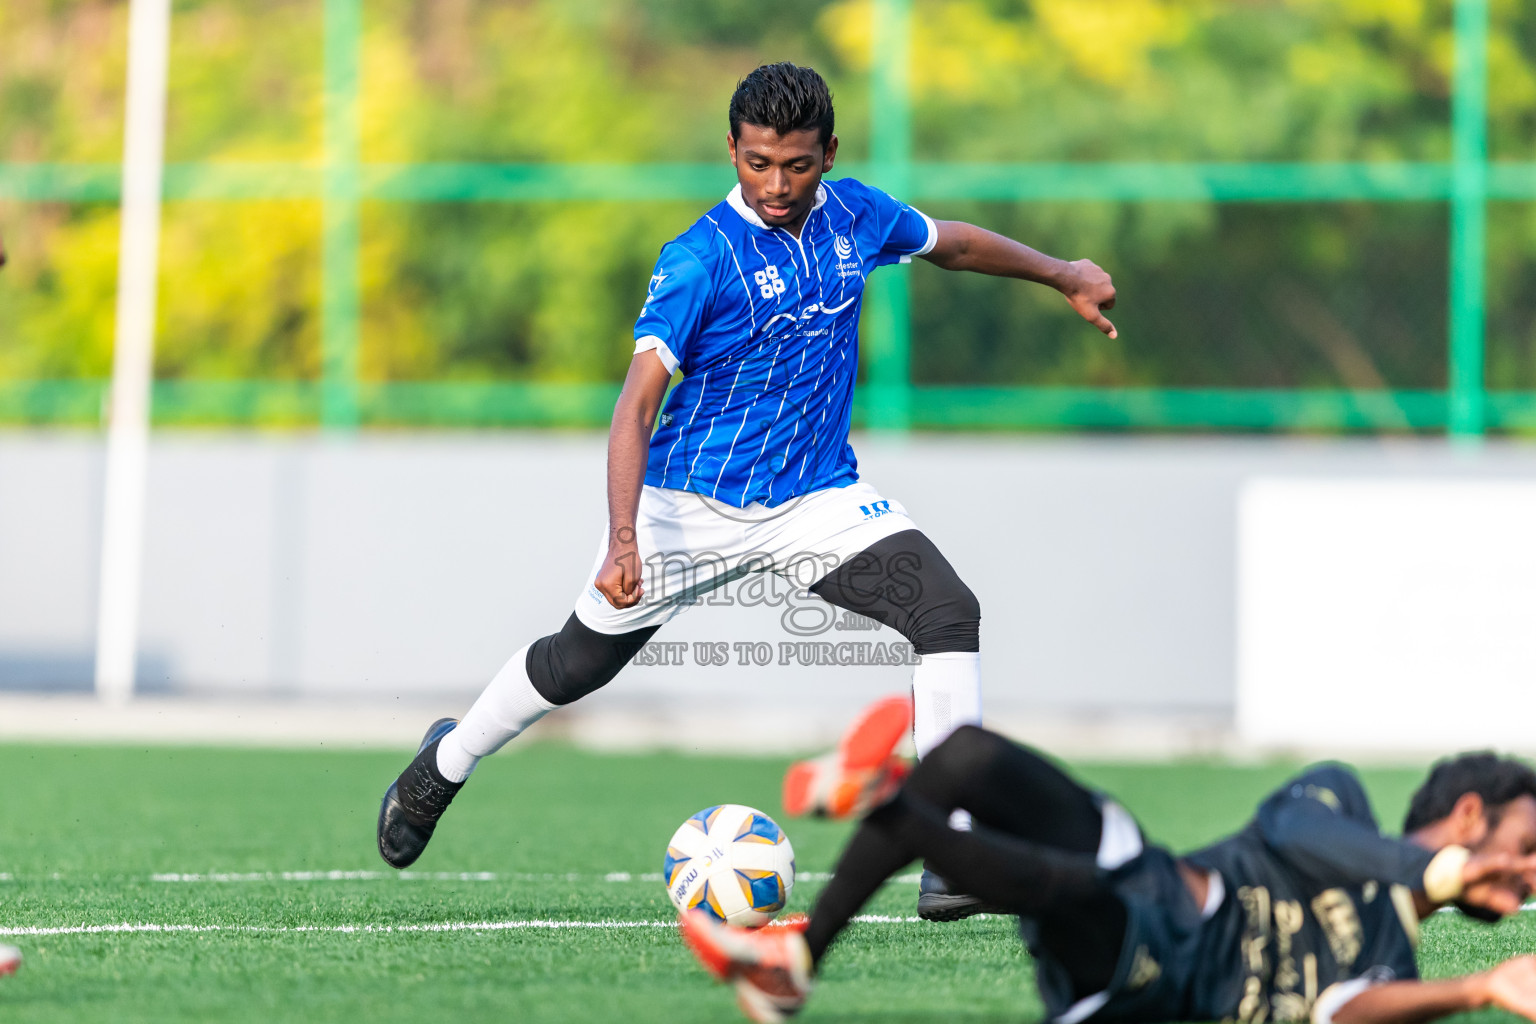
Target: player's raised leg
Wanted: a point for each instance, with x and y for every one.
(1037, 852)
(1039, 843)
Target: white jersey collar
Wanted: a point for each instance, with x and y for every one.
(750, 215)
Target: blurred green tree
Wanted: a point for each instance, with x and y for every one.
(1228, 295)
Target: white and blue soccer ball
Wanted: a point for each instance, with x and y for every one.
(733, 862)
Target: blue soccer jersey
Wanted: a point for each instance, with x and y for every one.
(765, 327)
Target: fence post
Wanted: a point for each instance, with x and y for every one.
(339, 302)
(890, 306)
(1469, 220)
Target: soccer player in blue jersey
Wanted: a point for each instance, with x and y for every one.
(748, 467)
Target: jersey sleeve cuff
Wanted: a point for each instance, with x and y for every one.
(1335, 996)
(649, 342)
(933, 235)
(1442, 879)
(933, 238)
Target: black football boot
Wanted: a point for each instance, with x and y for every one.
(936, 903)
(415, 801)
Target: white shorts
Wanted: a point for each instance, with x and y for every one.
(691, 544)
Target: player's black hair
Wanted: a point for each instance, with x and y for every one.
(1498, 780)
(784, 97)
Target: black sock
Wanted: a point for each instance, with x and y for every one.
(1032, 851)
(1014, 875)
(874, 854)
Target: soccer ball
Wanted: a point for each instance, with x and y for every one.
(732, 862)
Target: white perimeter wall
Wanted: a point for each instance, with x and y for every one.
(1387, 613)
(397, 566)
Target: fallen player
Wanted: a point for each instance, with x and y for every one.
(1308, 913)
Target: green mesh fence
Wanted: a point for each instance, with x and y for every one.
(889, 400)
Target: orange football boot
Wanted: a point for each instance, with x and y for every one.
(863, 771)
(769, 967)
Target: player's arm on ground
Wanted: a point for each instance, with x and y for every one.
(629, 439)
(1087, 288)
(1510, 986)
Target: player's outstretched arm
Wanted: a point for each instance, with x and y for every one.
(1510, 986)
(1321, 823)
(629, 440)
(1086, 287)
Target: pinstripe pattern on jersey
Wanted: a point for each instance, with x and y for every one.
(764, 328)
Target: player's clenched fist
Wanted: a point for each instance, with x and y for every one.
(619, 580)
(1498, 882)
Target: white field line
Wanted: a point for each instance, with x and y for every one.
(394, 929)
(372, 876)
(415, 876)
(371, 929)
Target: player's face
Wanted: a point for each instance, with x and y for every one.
(779, 173)
(1515, 833)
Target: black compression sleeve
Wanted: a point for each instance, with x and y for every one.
(905, 582)
(566, 666)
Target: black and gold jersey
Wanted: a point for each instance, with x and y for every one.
(1316, 896)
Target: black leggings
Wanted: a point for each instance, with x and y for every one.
(902, 582)
(905, 582)
(1032, 851)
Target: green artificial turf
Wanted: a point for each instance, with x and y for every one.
(84, 831)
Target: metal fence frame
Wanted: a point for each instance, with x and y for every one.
(889, 400)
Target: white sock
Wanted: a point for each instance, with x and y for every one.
(507, 707)
(946, 694)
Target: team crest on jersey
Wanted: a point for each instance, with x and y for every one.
(847, 266)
